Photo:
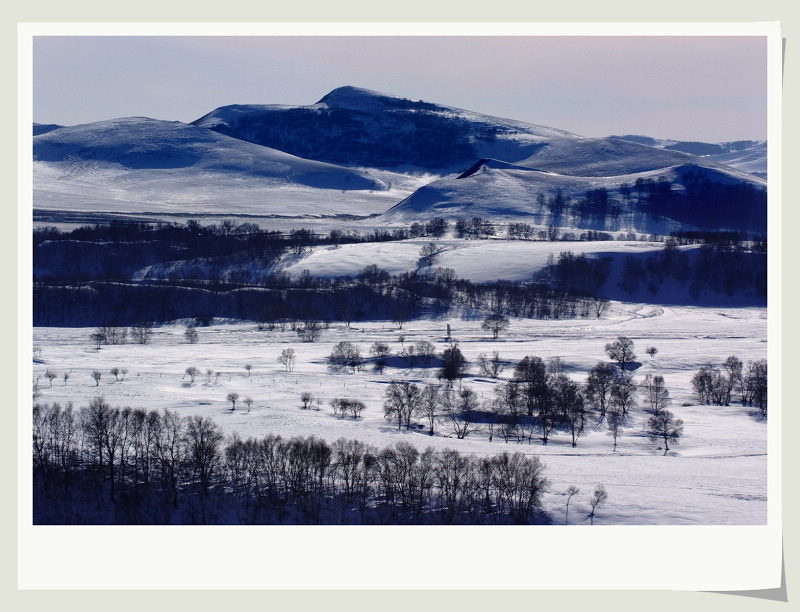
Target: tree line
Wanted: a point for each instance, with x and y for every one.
(110, 465)
(570, 288)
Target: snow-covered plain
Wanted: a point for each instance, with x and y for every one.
(716, 474)
(152, 170)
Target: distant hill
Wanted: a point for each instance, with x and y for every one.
(358, 127)
(747, 155)
(686, 196)
(39, 128)
(359, 152)
(138, 163)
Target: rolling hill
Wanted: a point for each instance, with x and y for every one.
(140, 164)
(360, 153)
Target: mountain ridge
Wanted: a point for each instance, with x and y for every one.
(397, 153)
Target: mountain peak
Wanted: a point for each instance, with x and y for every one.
(358, 98)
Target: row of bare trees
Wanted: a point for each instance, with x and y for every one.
(110, 465)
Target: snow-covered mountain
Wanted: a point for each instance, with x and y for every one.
(504, 192)
(746, 155)
(358, 127)
(360, 152)
(138, 163)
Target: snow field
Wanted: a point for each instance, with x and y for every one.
(716, 474)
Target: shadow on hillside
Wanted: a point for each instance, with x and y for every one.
(669, 292)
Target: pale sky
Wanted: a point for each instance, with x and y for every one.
(709, 88)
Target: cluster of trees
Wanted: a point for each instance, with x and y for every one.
(723, 266)
(702, 202)
(525, 231)
(539, 398)
(104, 465)
(717, 384)
(576, 274)
(346, 356)
(475, 228)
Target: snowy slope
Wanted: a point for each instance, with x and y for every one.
(745, 155)
(751, 159)
(132, 164)
(500, 192)
(40, 128)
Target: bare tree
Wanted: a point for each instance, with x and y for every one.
(493, 409)
(381, 352)
(733, 368)
(753, 387)
(651, 350)
(656, 393)
(703, 383)
(425, 351)
(623, 393)
(248, 367)
(454, 364)
(356, 407)
(410, 355)
(495, 323)
(664, 426)
(98, 338)
(310, 331)
(571, 491)
(170, 451)
(248, 400)
(141, 333)
(192, 372)
(66, 378)
(203, 450)
(345, 355)
(531, 374)
(191, 334)
(598, 386)
(50, 376)
(429, 404)
(97, 375)
(306, 398)
(614, 423)
(555, 366)
(569, 405)
(115, 372)
(490, 366)
(287, 358)
(402, 401)
(400, 315)
(101, 423)
(232, 397)
(427, 254)
(621, 351)
(460, 411)
(599, 496)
